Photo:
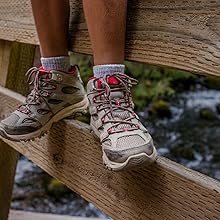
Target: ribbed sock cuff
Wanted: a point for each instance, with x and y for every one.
(56, 63)
(107, 69)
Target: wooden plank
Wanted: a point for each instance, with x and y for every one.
(21, 215)
(5, 52)
(15, 59)
(165, 190)
(21, 59)
(180, 34)
(8, 162)
(8, 156)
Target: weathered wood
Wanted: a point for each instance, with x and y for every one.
(20, 60)
(20, 215)
(176, 33)
(8, 162)
(8, 156)
(14, 58)
(164, 191)
(5, 52)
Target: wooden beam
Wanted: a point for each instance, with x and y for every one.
(15, 59)
(8, 162)
(180, 34)
(20, 60)
(166, 190)
(8, 156)
(21, 215)
(5, 53)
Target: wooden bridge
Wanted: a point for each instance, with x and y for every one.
(181, 34)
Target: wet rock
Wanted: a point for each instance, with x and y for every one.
(163, 151)
(216, 158)
(218, 108)
(206, 114)
(183, 152)
(56, 189)
(160, 108)
(217, 175)
(212, 82)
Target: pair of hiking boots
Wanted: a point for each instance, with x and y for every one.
(56, 95)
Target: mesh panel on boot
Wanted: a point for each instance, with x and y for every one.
(129, 141)
(12, 120)
(121, 115)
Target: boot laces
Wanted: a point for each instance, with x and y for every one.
(39, 91)
(118, 111)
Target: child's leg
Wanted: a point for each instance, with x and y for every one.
(52, 22)
(124, 139)
(106, 22)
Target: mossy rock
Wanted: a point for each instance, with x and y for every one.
(161, 108)
(206, 114)
(218, 108)
(56, 189)
(212, 82)
(183, 152)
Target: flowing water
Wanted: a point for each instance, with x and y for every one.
(184, 137)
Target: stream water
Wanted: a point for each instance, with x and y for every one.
(184, 137)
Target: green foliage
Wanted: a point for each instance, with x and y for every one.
(85, 64)
(154, 82)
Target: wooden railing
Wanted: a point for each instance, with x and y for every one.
(181, 34)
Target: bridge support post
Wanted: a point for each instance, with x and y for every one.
(15, 59)
(8, 162)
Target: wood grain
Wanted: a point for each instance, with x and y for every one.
(15, 59)
(165, 190)
(8, 162)
(21, 215)
(21, 59)
(8, 156)
(5, 52)
(181, 34)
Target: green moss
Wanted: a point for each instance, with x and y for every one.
(161, 108)
(206, 114)
(56, 189)
(212, 82)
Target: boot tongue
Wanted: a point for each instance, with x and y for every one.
(117, 92)
(43, 72)
(116, 88)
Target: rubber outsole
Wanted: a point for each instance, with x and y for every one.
(131, 162)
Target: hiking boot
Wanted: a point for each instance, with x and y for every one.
(55, 95)
(125, 141)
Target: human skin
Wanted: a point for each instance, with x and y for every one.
(52, 23)
(106, 21)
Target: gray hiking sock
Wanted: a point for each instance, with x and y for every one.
(56, 63)
(107, 69)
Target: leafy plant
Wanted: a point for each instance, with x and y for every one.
(154, 82)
